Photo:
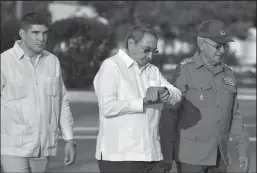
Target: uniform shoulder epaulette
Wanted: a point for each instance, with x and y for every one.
(226, 66)
(186, 61)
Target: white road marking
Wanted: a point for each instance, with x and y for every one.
(249, 125)
(246, 97)
(85, 128)
(96, 128)
(252, 139)
(81, 137)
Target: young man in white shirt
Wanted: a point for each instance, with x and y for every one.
(131, 93)
(34, 102)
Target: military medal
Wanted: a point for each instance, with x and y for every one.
(201, 97)
(228, 81)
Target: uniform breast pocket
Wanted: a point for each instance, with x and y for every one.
(52, 85)
(199, 94)
(226, 96)
(126, 90)
(17, 89)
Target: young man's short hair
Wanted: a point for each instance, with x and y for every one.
(33, 18)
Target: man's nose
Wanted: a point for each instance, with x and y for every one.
(222, 49)
(150, 55)
(40, 37)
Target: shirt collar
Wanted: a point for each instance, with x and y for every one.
(125, 58)
(19, 51)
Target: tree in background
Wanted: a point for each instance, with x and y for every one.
(81, 45)
(177, 19)
(9, 25)
(9, 22)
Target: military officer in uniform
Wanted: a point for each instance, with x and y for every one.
(209, 112)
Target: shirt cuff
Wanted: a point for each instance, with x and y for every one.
(174, 92)
(136, 105)
(68, 133)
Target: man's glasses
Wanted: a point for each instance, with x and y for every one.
(148, 50)
(218, 46)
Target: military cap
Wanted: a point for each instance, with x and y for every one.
(214, 30)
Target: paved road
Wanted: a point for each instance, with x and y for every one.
(85, 113)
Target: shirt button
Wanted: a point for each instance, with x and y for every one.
(218, 106)
(218, 121)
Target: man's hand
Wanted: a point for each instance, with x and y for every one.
(166, 166)
(70, 152)
(176, 96)
(153, 93)
(164, 97)
(244, 163)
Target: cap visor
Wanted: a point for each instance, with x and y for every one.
(222, 40)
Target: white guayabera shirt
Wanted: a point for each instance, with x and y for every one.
(127, 130)
(34, 102)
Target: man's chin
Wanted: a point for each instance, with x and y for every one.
(38, 50)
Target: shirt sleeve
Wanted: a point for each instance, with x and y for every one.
(238, 132)
(2, 81)
(66, 118)
(175, 94)
(106, 87)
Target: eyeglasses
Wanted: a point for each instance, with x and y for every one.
(148, 50)
(218, 46)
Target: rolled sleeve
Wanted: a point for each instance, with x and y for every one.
(175, 94)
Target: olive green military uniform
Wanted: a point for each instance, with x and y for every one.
(209, 113)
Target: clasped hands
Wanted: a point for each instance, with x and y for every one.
(156, 95)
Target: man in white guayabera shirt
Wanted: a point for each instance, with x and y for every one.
(34, 102)
(131, 93)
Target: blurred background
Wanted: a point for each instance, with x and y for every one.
(84, 33)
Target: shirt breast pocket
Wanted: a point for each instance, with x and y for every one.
(226, 95)
(17, 89)
(126, 90)
(52, 86)
(199, 94)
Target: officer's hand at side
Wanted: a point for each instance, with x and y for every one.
(167, 166)
(244, 163)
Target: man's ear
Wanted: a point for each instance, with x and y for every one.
(22, 33)
(131, 43)
(200, 42)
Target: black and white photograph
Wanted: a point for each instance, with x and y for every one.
(128, 86)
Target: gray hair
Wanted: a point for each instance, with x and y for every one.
(137, 32)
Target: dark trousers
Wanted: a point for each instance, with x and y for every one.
(129, 166)
(219, 168)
